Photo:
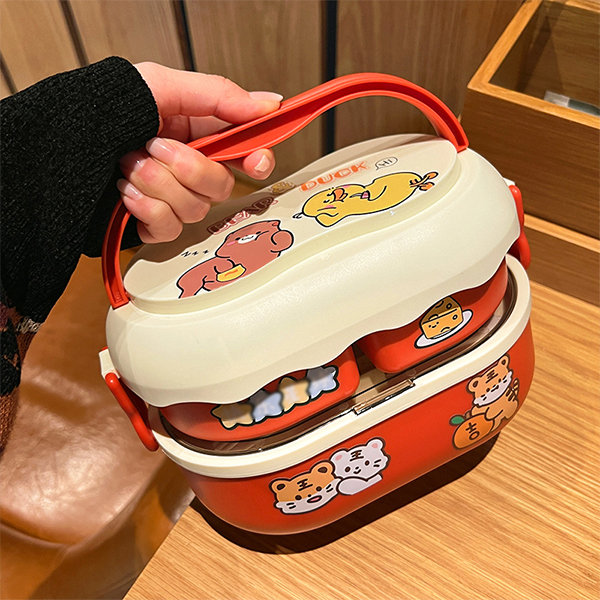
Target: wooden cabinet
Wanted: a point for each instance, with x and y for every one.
(551, 151)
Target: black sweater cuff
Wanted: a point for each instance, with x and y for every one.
(61, 140)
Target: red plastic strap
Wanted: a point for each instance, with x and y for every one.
(520, 249)
(111, 268)
(295, 113)
(135, 409)
(516, 194)
(267, 131)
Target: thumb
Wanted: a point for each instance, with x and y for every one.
(199, 95)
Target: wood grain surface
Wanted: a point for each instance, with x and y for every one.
(556, 52)
(264, 45)
(552, 156)
(35, 40)
(516, 519)
(564, 259)
(137, 31)
(437, 45)
(551, 151)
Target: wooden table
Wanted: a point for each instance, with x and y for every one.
(518, 519)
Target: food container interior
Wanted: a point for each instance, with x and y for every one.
(375, 387)
(375, 390)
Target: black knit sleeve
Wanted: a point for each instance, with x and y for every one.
(61, 140)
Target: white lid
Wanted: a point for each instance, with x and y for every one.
(349, 424)
(380, 170)
(333, 279)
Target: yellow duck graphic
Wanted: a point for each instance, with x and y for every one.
(330, 206)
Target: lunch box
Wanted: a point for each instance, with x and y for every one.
(322, 341)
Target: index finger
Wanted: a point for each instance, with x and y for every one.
(200, 95)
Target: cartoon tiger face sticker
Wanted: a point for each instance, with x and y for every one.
(360, 467)
(491, 384)
(307, 491)
(495, 399)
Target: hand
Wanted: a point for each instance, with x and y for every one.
(168, 184)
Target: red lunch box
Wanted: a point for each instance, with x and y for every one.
(316, 344)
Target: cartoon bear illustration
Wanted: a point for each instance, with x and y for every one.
(330, 206)
(495, 393)
(243, 251)
(359, 467)
(306, 492)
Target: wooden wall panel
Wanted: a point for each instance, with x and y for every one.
(35, 40)
(438, 45)
(264, 45)
(135, 30)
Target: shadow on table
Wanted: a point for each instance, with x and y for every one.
(301, 542)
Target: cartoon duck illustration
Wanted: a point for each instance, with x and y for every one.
(330, 206)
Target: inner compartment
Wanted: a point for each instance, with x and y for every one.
(296, 397)
(374, 388)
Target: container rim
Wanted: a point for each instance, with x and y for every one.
(351, 422)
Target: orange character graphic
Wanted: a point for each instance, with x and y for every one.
(243, 251)
(347, 472)
(495, 398)
(445, 318)
(330, 206)
(306, 492)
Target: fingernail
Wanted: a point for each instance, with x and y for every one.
(160, 149)
(128, 189)
(263, 165)
(269, 96)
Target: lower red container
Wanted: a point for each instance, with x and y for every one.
(394, 429)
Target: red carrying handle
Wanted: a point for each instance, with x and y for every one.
(269, 130)
(135, 408)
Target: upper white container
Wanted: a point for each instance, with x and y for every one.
(362, 240)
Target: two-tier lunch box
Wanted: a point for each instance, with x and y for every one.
(312, 346)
